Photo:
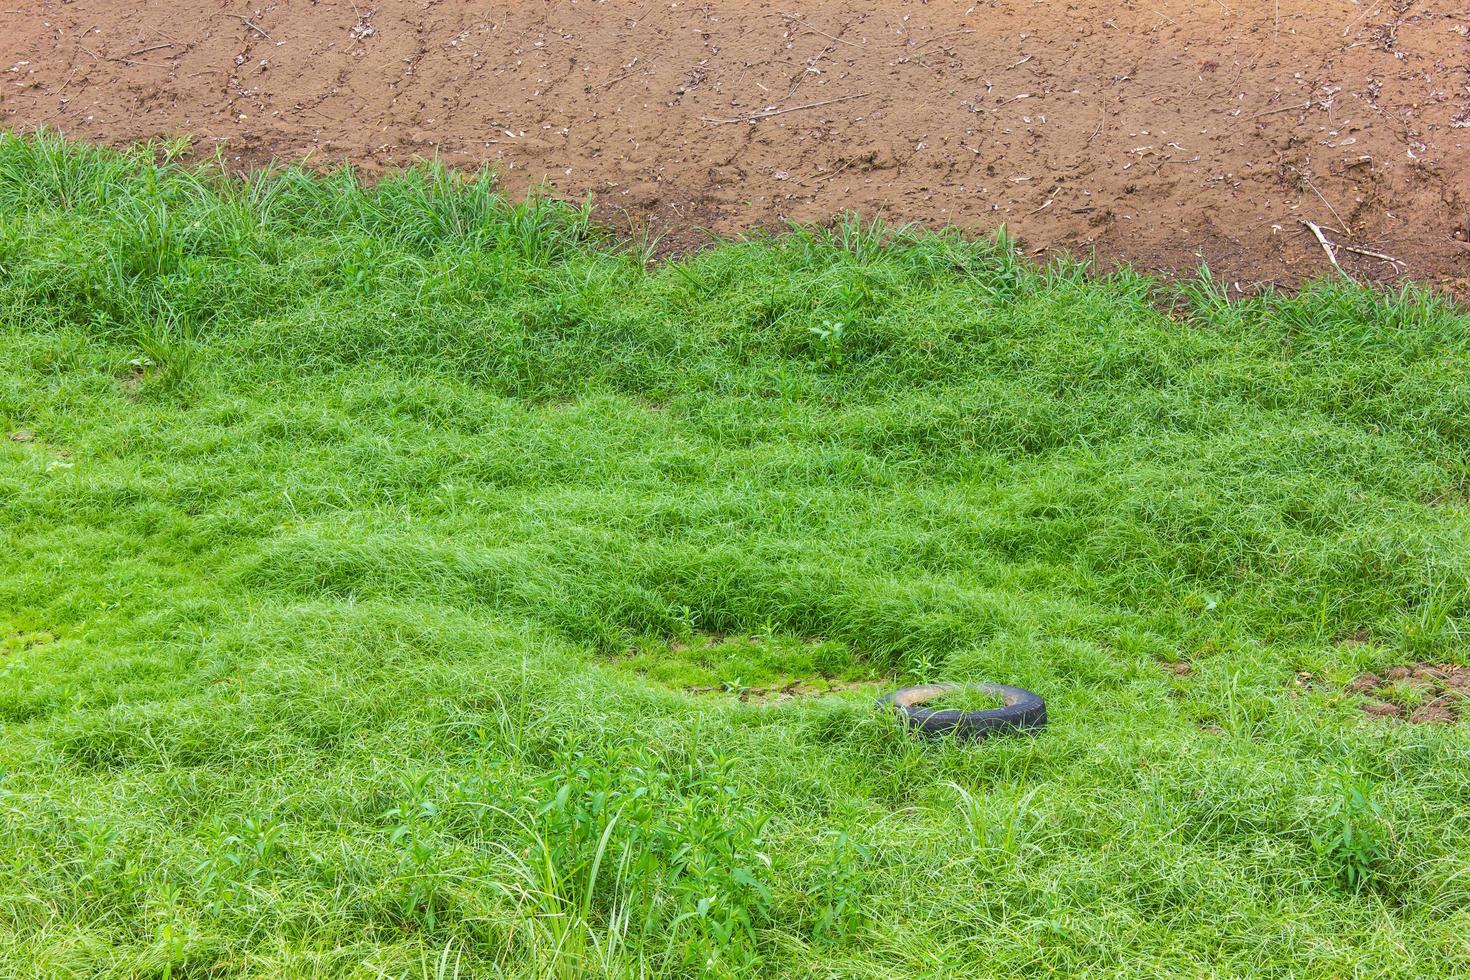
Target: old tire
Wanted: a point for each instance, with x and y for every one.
(1023, 711)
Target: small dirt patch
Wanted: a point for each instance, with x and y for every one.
(794, 690)
(23, 640)
(752, 669)
(1432, 694)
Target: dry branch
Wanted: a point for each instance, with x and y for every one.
(767, 113)
(1326, 247)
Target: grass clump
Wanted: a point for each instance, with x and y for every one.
(341, 507)
(966, 698)
(1353, 836)
(739, 663)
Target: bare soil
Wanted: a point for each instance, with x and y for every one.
(1161, 133)
(1418, 694)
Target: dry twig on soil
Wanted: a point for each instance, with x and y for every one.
(613, 81)
(1286, 108)
(151, 47)
(1326, 247)
(247, 22)
(767, 113)
(797, 20)
(1347, 229)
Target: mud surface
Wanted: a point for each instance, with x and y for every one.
(1160, 133)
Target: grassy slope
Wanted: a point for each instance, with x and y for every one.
(316, 643)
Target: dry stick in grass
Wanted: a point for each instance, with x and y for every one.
(1326, 247)
(767, 113)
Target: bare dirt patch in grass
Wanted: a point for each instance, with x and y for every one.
(751, 669)
(20, 641)
(820, 687)
(1419, 694)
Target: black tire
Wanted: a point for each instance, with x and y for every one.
(1023, 711)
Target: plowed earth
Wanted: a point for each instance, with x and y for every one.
(1160, 133)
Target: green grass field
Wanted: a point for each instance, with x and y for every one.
(403, 582)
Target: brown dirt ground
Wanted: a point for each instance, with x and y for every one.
(1440, 691)
(1158, 132)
